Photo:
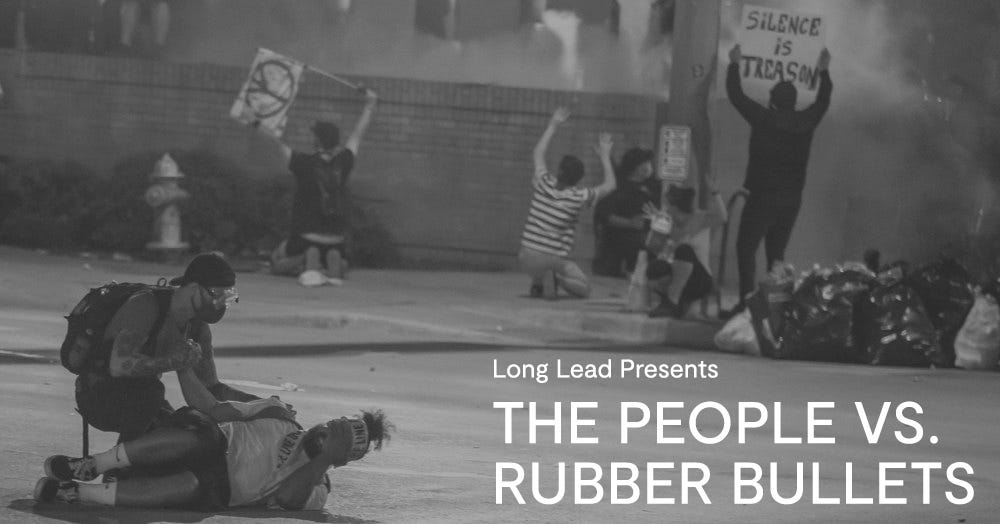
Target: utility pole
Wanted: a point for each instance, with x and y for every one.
(693, 66)
(695, 50)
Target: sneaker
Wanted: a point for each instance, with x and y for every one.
(53, 490)
(312, 278)
(727, 314)
(61, 467)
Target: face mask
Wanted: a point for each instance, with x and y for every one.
(211, 315)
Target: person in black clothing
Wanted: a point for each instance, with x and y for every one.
(154, 333)
(620, 221)
(321, 210)
(780, 139)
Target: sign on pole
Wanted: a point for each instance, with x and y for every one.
(268, 92)
(780, 45)
(674, 153)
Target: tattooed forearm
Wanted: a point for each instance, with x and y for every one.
(132, 363)
(224, 392)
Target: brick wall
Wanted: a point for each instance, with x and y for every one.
(445, 167)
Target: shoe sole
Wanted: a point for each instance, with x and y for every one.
(49, 472)
(41, 487)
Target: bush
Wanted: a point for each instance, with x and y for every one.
(64, 206)
(48, 204)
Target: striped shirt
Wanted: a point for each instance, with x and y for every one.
(551, 223)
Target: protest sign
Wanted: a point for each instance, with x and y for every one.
(780, 45)
(268, 92)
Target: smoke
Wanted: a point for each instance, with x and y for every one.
(566, 26)
(888, 170)
(378, 38)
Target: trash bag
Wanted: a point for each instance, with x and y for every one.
(820, 318)
(895, 329)
(977, 345)
(738, 336)
(945, 289)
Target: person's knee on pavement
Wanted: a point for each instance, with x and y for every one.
(314, 261)
(282, 264)
(336, 264)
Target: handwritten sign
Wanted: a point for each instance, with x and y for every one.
(674, 153)
(780, 45)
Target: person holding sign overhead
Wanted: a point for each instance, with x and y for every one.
(316, 249)
(780, 140)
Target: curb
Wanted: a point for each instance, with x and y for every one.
(618, 326)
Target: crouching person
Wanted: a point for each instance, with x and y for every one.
(676, 273)
(215, 455)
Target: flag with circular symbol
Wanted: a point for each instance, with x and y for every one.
(268, 92)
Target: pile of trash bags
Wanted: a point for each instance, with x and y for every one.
(931, 315)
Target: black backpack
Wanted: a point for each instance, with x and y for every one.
(83, 349)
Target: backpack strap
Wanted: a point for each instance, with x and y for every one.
(163, 297)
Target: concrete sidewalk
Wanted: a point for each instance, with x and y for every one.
(373, 306)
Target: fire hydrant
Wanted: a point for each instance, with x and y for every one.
(163, 196)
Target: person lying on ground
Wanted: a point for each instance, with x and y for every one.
(212, 455)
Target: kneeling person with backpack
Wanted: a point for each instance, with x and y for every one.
(154, 330)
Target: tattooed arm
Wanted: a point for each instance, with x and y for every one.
(198, 397)
(206, 373)
(127, 359)
(130, 329)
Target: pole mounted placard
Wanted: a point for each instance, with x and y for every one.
(674, 153)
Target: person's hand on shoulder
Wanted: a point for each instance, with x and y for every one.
(272, 407)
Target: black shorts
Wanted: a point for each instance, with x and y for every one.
(297, 245)
(130, 406)
(209, 465)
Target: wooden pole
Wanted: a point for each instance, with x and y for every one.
(331, 76)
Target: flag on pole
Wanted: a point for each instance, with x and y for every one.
(268, 92)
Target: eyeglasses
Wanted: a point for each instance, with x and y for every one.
(227, 296)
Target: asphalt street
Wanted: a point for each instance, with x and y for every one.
(441, 465)
(436, 351)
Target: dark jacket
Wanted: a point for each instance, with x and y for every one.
(779, 139)
(322, 202)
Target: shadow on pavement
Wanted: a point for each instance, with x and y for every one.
(98, 515)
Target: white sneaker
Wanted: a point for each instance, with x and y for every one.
(312, 278)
